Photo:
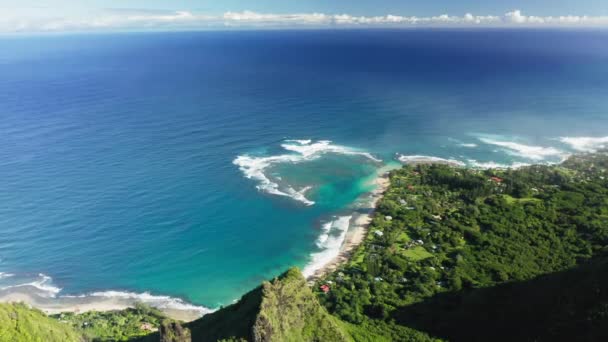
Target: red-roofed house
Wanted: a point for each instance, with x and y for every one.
(496, 179)
(325, 288)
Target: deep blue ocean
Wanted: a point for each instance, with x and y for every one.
(187, 164)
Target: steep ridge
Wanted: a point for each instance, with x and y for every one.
(284, 309)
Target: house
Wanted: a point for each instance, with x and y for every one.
(325, 288)
(411, 187)
(496, 179)
(378, 233)
(147, 327)
(388, 218)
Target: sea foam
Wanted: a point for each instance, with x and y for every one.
(527, 151)
(254, 167)
(5, 275)
(494, 165)
(329, 242)
(43, 285)
(586, 144)
(157, 301)
(427, 159)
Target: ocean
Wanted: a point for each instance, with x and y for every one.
(182, 169)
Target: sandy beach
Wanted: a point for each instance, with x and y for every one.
(357, 229)
(51, 305)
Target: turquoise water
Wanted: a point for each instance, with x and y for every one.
(163, 162)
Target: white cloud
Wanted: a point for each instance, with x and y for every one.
(161, 20)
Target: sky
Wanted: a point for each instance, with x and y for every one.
(100, 15)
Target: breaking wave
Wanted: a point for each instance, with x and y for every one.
(255, 167)
(42, 284)
(5, 275)
(494, 165)
(526, 151)
(157, 301)
(586, 144)
(42, 293)
(329, 242)
(419, 159)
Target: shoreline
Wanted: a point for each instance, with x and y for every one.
(51, 305)
(82, 304)
(358, 228)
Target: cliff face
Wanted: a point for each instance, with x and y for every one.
(284, 310)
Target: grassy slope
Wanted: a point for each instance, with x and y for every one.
(19, 323)
(282, 310)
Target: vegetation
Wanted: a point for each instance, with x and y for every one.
(461, 254)
(442, 229)
(174, 332)
(121, 325)
(571, 305)
(282, 310)
(19, 323)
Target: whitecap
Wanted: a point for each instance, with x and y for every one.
(526, 151)
(6, 275)
(254, 167)
(325, 228)
(494, 165)
(462, 144)
(301, 142)
(158, 301)
(43, 294)
(329, 242)
(413, 159)
(585, 144)
(43, 284)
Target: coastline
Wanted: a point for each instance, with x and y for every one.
(50, 305)
(358, 227)
(82, 304)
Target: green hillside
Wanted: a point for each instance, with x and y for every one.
(284, 309)
(19, 323)
(484, 239)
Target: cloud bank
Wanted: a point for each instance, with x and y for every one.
(122, 20)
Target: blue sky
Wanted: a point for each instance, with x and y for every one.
(85, 15)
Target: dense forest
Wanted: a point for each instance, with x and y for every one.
(447, 230)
